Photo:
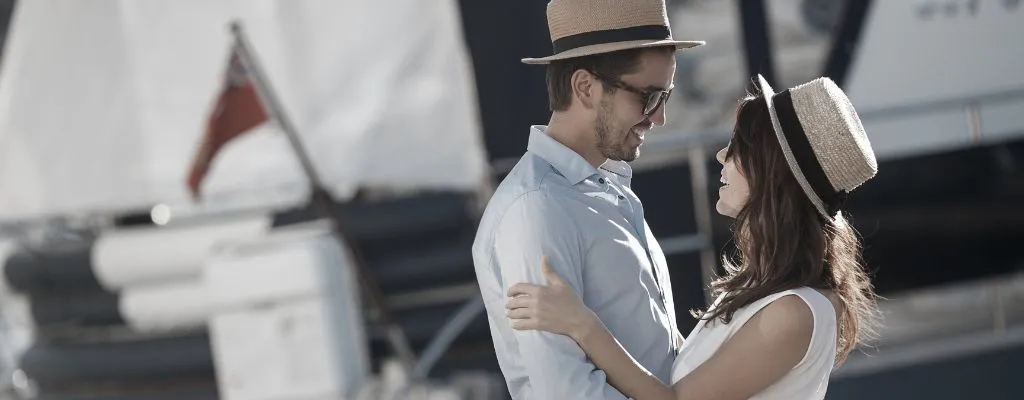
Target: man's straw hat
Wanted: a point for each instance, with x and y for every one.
(586, 27)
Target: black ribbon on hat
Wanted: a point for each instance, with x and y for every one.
(643, 32)
(808, 163)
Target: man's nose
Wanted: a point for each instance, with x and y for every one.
(659, 116)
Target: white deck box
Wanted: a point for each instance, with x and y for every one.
(287, 322)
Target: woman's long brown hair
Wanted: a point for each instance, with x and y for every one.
(782, 242)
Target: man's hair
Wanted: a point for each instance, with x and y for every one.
(613, 65)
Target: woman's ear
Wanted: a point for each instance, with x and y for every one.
(585, 88)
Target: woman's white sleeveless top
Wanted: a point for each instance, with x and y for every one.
(807, 380)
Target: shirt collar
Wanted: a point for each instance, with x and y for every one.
(620, 168)
(566, 161)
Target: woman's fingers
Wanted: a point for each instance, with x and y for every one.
(520, 313)
(521, 324)
(523, 289)
(524, 324)
(519, 302)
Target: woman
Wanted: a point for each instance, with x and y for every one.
(795, 299)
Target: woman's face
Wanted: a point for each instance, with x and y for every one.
(733, 194)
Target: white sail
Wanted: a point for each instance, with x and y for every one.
(926, 76)
(102, 103)
(932, 76)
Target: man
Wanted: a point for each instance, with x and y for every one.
(569, 198)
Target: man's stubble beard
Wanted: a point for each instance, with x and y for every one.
(604, 129)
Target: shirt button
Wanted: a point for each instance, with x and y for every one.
(601, 180)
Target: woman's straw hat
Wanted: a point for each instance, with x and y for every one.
(822, 139)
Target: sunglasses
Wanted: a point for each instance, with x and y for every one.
(651, 99)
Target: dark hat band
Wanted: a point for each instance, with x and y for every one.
(643, 32)
(804, 153)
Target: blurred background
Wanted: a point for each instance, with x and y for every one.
(121, 283)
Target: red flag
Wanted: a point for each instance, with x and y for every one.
(237, 111)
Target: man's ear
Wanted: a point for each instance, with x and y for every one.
(585, 87)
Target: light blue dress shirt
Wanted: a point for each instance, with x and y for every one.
(591, 226)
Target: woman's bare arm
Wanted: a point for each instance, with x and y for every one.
(558, 309)
(624, 373)
(767, 347)
(761, 352)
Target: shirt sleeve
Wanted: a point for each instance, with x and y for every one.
(557, 367)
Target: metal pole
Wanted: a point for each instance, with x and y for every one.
(702, 213)
(440, 343)
(757, 45)
(444, 338)
(973, 121)
(322, 198)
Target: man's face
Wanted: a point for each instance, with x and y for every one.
(621, 124)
